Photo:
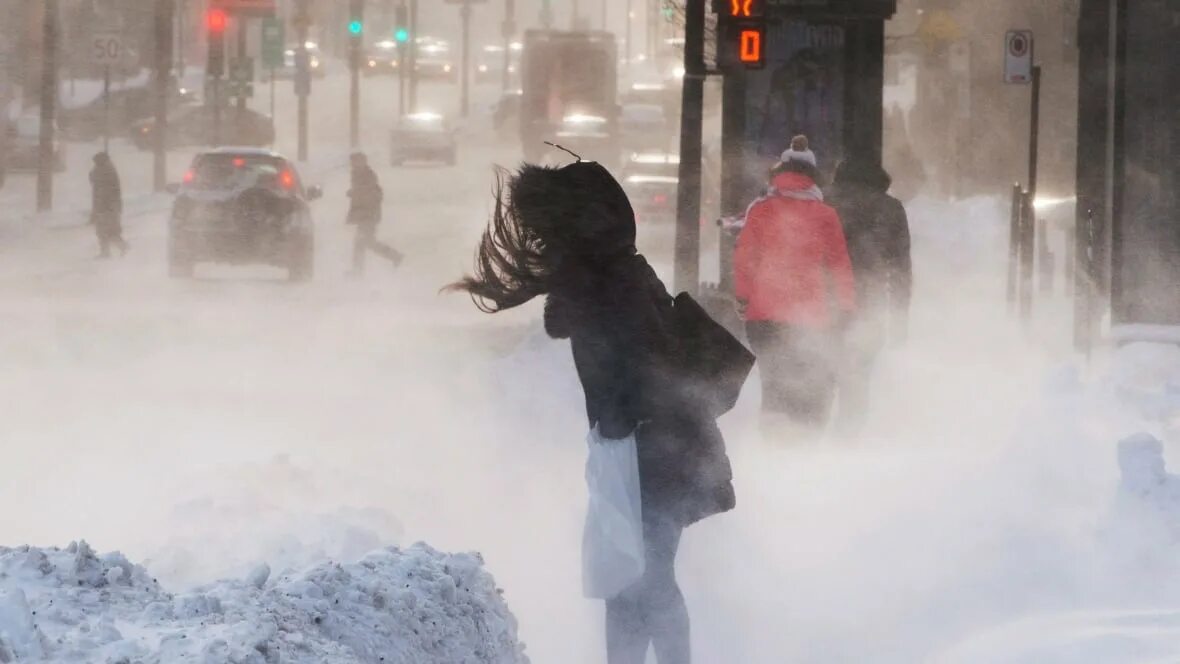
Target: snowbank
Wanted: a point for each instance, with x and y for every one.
(412, 606)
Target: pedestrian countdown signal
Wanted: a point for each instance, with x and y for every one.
(741, 33)
(751, 41)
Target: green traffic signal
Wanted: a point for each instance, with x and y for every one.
(356, 27)
(401, 35)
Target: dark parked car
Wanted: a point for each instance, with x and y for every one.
(193, 125)
(242, 206)
(423, 137)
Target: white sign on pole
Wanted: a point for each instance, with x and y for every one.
(1018, 56)
(106, 49)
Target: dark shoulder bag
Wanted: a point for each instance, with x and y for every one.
(712, 363)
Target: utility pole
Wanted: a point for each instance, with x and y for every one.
(241, 63)
(302, 71)
(465, 72)
(546, 17)
(575, 13)
(49, 65)
(355, 45)
(413, 56)
(509, 32)
(164, 37)
(604, 15)
(688, 203)
(216, 21)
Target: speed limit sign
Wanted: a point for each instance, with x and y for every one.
(106, 49)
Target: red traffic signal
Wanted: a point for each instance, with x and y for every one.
(216, 20)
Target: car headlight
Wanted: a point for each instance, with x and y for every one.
(483, 69)
(447, 68)
(372, 63)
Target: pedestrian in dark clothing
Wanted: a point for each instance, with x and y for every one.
(795, 288)
(106, 210)
(878, 235)
(569, 234)
(364, 210)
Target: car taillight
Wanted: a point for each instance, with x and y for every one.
(239, 162)
(659, 199)
(287, 180)
(189, 176)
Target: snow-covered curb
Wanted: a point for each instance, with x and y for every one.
(412, 606)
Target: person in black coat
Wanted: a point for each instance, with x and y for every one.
(569, 234)
(878, 235)
(106, 210)
(364, 211)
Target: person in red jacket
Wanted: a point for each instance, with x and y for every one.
(796, 292)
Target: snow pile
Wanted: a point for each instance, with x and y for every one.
(412, 606)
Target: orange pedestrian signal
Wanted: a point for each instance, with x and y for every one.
(746, 8)
(750, 45)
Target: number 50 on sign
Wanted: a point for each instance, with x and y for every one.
(106, 49)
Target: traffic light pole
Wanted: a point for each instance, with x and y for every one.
(688, 205)
(48, 108)
(164, 11)
(413, 56)
(302, 75)
(354, 98)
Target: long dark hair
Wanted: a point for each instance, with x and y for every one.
(545, 221)
(511, 265)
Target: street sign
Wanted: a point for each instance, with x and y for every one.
(106, 49)
(1018, 56)
(273, 38)
(256, 8)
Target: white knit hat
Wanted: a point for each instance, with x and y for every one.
(799, 151)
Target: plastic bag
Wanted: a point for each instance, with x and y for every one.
(612, 541)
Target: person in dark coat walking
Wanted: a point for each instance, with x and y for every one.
(364, 210)
(878, 236)
(106, 210)
(569, 234)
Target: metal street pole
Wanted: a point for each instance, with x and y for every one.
(241, 64)
(688, 203)
(302, 73)
(164, 46)
(575, 12)
(1028, 220)
(106, 108)
(48, 107)
(465, 73)
(604, 14)
(413, 56)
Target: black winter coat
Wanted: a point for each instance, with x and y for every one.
(619, 320)
(106, 192)
(878, 236)
(365, 197)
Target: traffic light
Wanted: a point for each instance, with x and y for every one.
(215, 22)
(356, 19)
(401, 21)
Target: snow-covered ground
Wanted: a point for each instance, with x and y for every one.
(206, 427)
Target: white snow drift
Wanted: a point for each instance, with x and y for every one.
(412, 606)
